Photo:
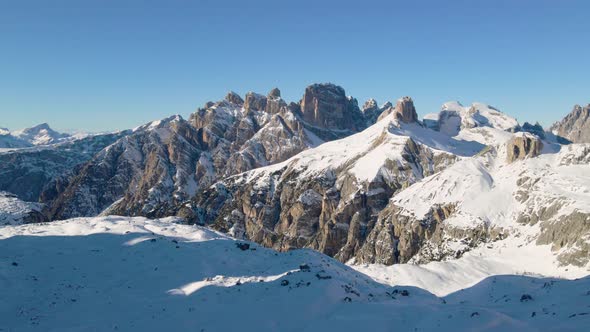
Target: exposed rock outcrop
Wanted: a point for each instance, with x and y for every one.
(326, 106)
(405, 111)
(372, 111)
(329, 209)
(523, 145)
(234, 98)
(535, 129)
(254, 102)
(37, 174)
(575, 127)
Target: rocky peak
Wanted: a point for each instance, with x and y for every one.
(536, 129)
(327, 106)
(274, 93)
(575, 127)
(234, 98)
(372, 111)
(522, 146)
(405, 110)
(255, 102)
(370, 105)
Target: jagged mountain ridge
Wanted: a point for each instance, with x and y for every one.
(575, 127)
(334, 198)
(329, 198)
(38, 173)
(160, 166)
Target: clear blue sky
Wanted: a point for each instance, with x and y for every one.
(104, 65)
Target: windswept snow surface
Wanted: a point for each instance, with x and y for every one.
(135, 274)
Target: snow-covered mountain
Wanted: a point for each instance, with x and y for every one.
(335, 198)
(575, 127)
(38, 135)
(160, 166)
(39, 173)
(427, 214)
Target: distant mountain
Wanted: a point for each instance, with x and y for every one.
(38, 135)
(38, 173)
(575, 127)
(369, 185)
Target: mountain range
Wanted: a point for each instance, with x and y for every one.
(425, 213)
(371, 185)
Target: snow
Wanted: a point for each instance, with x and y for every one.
(13, 210)
(365, 153)
(512, 256)
(135, 274)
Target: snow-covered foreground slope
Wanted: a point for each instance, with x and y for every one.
(134, 274)
(512, 256)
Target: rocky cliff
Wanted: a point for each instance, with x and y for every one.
(160, 166)
(575, 127)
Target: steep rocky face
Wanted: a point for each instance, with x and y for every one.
(145, 173)
(330, 204)
(372, 111)
(234, 98)
(158, 168)
(523, 145)
(254, 102)
(575, 127)
(274, 102)
(535, 129)
(404, 110)
(326, 106)
(399, 237)
(36, 174)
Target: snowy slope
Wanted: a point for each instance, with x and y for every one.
(478, 122)
(542, 200)
(365, 154)
(14, 211)
(133, 274)
(38, 135)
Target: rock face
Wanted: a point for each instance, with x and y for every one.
(326, 106)
(372, 111)
(294, 175)
(523, 145)
(38, 174)
(234, 98)
(144, 172)
(329, 206)
(535, 129)
(255, 102)
(404, 110)
(157, 169)
(575, 127)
